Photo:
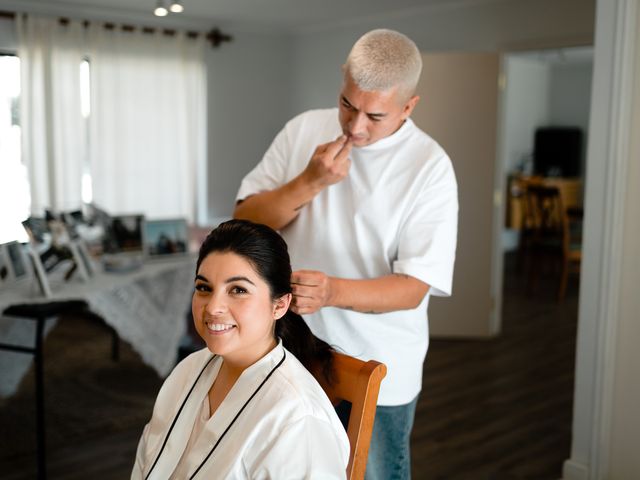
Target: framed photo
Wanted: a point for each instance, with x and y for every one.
(83, 258)
(20, 264)
(50, 239)
(163, 238)
(39, 272)
(18, 261)
(38, 230)
(125, 234)
(5, 273)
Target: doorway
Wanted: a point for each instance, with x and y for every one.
(514, 354)
(544, 124)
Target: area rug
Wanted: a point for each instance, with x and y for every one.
(87, 394)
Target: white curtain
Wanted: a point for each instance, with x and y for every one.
(53, 130)
(147, 123)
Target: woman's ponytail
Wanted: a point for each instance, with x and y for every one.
(315, 354)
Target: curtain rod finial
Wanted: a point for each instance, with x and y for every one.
(216, 37)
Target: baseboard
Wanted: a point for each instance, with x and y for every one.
(572, 470)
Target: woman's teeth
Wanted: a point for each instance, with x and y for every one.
(219, 327)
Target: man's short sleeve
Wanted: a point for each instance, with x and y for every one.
(427, 240)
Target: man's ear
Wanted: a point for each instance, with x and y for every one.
(409, 106)
(281, 305)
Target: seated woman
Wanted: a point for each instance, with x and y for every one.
(246, 406)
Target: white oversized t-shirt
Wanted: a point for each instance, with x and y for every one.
(395, 212)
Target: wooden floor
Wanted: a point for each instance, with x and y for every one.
(489, 409)
(501, 408)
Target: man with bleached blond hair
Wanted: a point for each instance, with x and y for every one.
(368, 205)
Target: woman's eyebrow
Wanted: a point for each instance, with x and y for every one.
(239, 278)
(201, 277)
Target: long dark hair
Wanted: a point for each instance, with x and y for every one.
(267, 252)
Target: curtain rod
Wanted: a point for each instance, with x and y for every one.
(215, 36)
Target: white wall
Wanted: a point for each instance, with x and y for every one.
(249, 101)
(462, 115)
(7, 36)
(492, 25)
(539, 93)
(570, 98)
(625, 432)
(526, 107)
(606, 424)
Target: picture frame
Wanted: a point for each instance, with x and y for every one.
(20, 265)
(165, 238)
(80, 263)
(18, 262)
(50, 239)
(83, 258)
(125, 235)
(39, 272)
(5, 272)
(37, 230)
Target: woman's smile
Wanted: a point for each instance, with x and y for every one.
(219, 328)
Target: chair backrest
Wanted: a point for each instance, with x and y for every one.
(357, 382)
(543, 209)
(546, 214)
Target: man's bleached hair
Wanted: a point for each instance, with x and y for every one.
(382, 59)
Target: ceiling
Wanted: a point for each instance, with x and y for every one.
(280, 15)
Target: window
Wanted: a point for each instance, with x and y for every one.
(85, 107)
(15, 200)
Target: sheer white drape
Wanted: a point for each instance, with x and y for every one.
(53, 130)
(147, 126)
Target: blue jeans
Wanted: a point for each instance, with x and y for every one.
(389, 452)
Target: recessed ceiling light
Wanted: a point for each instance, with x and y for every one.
(160, 10)
(176, 7)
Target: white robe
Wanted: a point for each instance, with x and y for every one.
(285, 427)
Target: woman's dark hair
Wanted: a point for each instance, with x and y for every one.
(267, 252)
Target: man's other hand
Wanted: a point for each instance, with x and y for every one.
(311, 291)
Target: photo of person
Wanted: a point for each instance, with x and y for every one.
(124, 234)
(165, 237)
(4, 266)
(50, 239)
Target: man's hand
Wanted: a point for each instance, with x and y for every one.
(329, 163)
(311, 291)
(279, 207)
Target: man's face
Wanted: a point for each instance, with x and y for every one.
(368, 116)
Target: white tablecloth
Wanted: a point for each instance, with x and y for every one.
(146, 307)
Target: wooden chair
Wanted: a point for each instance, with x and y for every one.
(357, 382)
(571, 247)
(550, 230)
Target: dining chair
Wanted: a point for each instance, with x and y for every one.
(357, 382)
(550, 231)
